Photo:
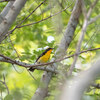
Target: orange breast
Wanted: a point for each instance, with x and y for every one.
(45, 57)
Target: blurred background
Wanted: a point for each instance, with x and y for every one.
(28, 42)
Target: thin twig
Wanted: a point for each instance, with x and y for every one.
(31, 74)
(31, 13)
(47, 17)
(61, 5)
(92, 20)
(16, 53)
(4, 82)
(19, 59)
(93, 35)
(13, 47)
(91, 8)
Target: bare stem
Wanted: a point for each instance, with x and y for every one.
(4, 82)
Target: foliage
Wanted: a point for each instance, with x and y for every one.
(30, 42)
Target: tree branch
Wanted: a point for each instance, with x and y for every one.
(6, 0)
(6, 10)
(84, 10)
(36, 66)
(47, 17)
(19, 24)
(92, 20)
(74, 88)
(85, 24)
(4, 82)
(10, 17)
(96, 86)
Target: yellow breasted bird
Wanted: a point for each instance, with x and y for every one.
(43, 58)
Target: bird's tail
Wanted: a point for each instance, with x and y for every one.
(31, 69)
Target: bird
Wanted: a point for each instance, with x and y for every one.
(43, 58)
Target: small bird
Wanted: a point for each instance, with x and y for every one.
(43, 58)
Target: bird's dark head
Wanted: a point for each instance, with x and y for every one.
(49, 49)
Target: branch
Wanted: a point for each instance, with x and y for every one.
(92, 20)
(85, 24)
(4, 82)
(36, 66)
(74, 89)
(6, 10)
(96, 86)
(91, 8)
(84, 11)
(47, 17)
(13, 47)
(61, 5)
(19, 24)
(6, 0)
(11, 61)
(10, 17)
